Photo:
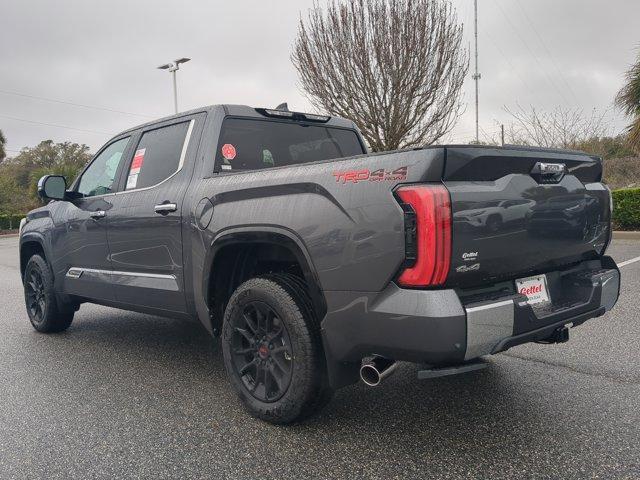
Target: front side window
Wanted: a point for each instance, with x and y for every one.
(248, 144)
(100, 177)
(158, 156)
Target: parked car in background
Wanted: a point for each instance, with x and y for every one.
(494, 214)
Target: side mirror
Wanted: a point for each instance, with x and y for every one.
(53, 187)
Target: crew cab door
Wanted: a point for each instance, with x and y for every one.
(145, 220)
(79, 243)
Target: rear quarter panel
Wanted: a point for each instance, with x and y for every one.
(350, 226)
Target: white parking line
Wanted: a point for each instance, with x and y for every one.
(628, 262)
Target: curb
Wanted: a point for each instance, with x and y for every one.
(623, 235)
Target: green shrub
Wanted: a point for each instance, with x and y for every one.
(10, 222)
(626, 209)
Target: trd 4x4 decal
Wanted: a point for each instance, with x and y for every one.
(366, 175)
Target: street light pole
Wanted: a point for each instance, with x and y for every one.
(173, 67)
(476, 76)
(175, 91)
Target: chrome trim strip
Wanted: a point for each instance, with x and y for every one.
(489, 305)
(76, 272)
(183, 154)
(487, 325)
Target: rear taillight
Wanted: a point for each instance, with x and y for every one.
(427, 235)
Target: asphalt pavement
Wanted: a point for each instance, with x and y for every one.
(124, 395)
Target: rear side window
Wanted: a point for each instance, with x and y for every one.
(247, 144)
(158, 156)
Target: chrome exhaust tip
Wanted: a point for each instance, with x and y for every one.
(375, 369)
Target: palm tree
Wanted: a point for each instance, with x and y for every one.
(628, 100)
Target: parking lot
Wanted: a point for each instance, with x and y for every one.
(127, 395)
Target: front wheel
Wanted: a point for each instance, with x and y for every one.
(46, 312)
(272, 349)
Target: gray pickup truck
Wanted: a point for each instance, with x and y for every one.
(317, 262)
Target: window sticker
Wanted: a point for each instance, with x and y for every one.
(138, 160)
(134, 171)
(132, 181)
(228, 151)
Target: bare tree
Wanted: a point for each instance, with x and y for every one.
(394, 67)
(559, 128)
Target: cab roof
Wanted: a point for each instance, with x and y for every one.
(230, 110)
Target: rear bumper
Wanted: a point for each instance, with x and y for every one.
(493, 327)
(441, 327)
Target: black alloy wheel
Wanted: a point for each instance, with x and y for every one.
(35, 294)
(261, 351)
(47, 312)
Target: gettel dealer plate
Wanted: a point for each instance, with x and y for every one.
(535, 288)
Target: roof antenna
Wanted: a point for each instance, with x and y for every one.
(283, 107)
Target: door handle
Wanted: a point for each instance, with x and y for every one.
(165, 208)
(98, 214)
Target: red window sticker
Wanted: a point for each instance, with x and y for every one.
(228, 151)
(138, 160)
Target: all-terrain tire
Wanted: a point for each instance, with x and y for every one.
(308, 390)
(47, 313)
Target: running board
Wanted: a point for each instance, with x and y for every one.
(447, 371)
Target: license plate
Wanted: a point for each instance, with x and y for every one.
(535, 288)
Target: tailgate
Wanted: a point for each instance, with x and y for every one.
(518, 211)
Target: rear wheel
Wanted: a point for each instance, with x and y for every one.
(46, 312)
(272, 349)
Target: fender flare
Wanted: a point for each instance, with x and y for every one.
(270, 234)
(32, 237)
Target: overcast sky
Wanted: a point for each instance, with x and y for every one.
(547, 53)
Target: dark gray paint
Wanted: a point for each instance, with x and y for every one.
(141, 240)
(349, 237)
(77, 239)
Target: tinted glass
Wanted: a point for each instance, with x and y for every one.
(157, 156)
(247, 144)
(100, 177)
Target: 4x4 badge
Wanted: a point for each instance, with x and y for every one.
(468, 268)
